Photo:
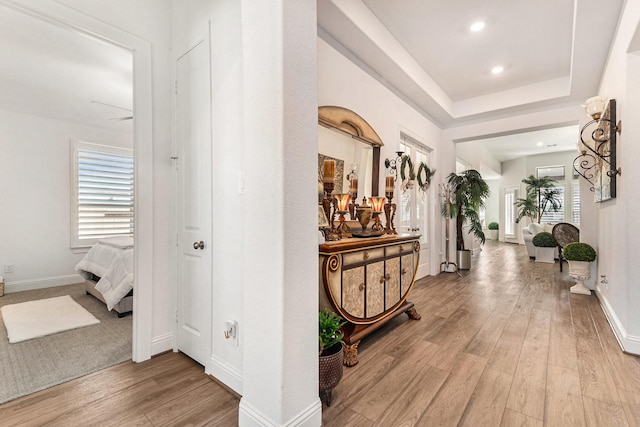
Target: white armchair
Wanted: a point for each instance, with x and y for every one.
(527, 235)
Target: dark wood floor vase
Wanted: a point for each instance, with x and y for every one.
(504, 345)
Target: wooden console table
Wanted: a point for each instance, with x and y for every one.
(366, 282)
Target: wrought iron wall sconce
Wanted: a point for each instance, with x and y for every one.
(597, 160)
(392, 164)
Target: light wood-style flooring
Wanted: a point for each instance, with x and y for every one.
(506, 344)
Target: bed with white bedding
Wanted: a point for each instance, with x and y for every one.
(108, 271)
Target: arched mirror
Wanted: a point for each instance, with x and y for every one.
(348, 139)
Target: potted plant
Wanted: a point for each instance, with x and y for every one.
(493, 230)
(468, 191)
(330, 354)
(545, 247)
(579, 255)
(541, 197)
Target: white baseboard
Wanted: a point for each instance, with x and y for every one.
(41, 283)
(162, 343)
(628, 343)
(248, 416)
(227, 374)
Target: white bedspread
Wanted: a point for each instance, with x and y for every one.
(114, 266)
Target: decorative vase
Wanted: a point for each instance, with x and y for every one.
(580, 271)
(330, 371)
(363, 214)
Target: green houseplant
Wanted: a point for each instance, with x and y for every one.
(493, 230)
(579, 255)
(544, 240)
(545, 246)
(331, 354)
(468, 191)
(541, 197)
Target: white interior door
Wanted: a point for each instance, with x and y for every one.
(193, 123)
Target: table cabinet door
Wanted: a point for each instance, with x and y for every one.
(353, 291)
(407, 268)
(375, 288)
(392, 292)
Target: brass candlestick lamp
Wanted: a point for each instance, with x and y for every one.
(342, 207)
(328, 180)
(390, 207)
(377, 205)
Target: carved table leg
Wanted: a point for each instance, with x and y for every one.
(413, 314)
(351, 354)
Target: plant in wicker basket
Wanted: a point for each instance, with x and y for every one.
(331, 353)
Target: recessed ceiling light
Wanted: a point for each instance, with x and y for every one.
(477, 26)
(497, 70)
(540, 143)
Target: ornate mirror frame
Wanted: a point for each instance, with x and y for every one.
(350, 123)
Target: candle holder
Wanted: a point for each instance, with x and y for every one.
(390, 214)
(330, 233)
(377, 205)
(353, 191)
(342, 207)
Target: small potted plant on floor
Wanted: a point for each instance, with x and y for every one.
(545, 247)
(579, 255)
(331, 353)
(493, 230)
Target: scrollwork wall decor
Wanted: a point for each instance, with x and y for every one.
(598, 142)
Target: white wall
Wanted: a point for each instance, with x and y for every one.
(614, 238)
(36, 184)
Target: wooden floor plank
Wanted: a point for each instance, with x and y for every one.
(452, 398)
(563, 401)
(488, 401)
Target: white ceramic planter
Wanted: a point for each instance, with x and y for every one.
(581, 271)
(545, 255)
(492, 234)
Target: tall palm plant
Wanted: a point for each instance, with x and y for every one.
(541, 198)
(469, 192)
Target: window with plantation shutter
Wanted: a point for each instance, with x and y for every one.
(103, 193)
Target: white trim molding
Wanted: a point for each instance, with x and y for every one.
(310, 417)
(227, 374)
(628, 343)
(42, 283)
(162, 343)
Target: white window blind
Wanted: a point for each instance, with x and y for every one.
(576, 203)
(103, 193)
(509, 214)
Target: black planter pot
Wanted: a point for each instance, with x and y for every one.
(330, 371)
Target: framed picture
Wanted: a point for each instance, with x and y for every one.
(322, 218)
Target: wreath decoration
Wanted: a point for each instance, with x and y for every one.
(407, 183)
(407, 160)
(424, 170)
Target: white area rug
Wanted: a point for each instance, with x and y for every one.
(38, 318)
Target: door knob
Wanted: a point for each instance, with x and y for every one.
(198, 245)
